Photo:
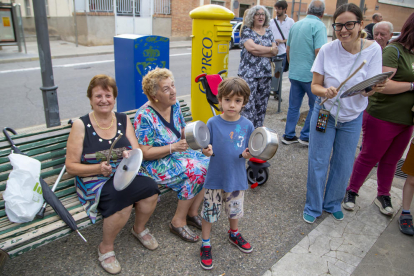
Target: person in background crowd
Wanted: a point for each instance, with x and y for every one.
(258, 46)
(388, 122)
(243, 23)
(306, 37)
(383, 33)
(333, 146)
(406, 219)
(376, 17)
(285, 23)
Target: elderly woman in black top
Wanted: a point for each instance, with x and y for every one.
(88, 145)
(258, 47)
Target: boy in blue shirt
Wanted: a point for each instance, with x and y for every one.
(226, 178)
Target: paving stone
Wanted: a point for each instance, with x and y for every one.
(330, 228)
(320, 246)
(300, 264)
(360, 241)
(345, 267)
(329, 259)
(336, 242)
(304, 243)
(348, 258)
(299, 250)
(337, 271)
(352, 250)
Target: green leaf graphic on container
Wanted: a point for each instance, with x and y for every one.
(37, 192)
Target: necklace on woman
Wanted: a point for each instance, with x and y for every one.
(103, 128)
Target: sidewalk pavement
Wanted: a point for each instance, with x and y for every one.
(364, 243)
(64, 49)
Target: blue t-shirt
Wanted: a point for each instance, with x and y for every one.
(305, 37)
(226, 170)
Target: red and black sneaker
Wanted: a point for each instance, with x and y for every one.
(206, 260)
(240, 243)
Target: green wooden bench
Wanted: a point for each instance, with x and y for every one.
(49, 147)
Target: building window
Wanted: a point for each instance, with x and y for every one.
(270, 10)
(28, 8)
(221, 3)
(242, 9)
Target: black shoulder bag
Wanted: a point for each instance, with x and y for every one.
(280, 31)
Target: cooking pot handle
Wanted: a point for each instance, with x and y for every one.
(241, 155)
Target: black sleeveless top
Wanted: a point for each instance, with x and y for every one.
(92, 143)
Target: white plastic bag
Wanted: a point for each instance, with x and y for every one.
(23, 196)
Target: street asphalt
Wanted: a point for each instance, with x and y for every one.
(272, 223)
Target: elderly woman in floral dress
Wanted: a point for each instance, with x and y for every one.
(159, 127)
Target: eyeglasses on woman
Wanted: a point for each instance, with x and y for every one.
(350, 25)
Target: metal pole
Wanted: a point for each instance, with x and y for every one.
(76, 23)
(293, 8)
(18, 8)
(362, 5)
(116, 29)
(133, 16)
(49, 93)
(17, 27)
(300, 6)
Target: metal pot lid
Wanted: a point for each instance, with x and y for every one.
(360, 87)
(261, 140)
(127, 170)
(199, 133)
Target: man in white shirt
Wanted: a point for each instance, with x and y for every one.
(285, 23)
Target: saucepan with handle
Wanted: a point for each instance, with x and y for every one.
(263, 143)
(197, 135)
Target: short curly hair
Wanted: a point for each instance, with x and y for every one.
(234, 86)
(150, 83)
(250, 16)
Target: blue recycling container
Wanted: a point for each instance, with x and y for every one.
(135, 56)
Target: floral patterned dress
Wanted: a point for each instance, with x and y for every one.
(257, 72)
(183, 172)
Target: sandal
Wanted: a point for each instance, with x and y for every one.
(151, 244)
(194, 221)
(184, 233)
(112, 268)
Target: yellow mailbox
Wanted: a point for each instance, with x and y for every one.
(210, 52)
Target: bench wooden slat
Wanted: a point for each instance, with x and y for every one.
(59, 187)
(41, 158)
(39, 231)
(70, 202)
(44, 165)
(19, 136)
(34, 145)
(14, 252)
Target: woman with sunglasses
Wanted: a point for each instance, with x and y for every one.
(387, 125)
(258, 46)
(334, 146)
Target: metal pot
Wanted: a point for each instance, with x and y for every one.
(263, 143)
(197, 135)
(128, 169)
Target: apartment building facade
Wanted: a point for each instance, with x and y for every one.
(95, 22)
